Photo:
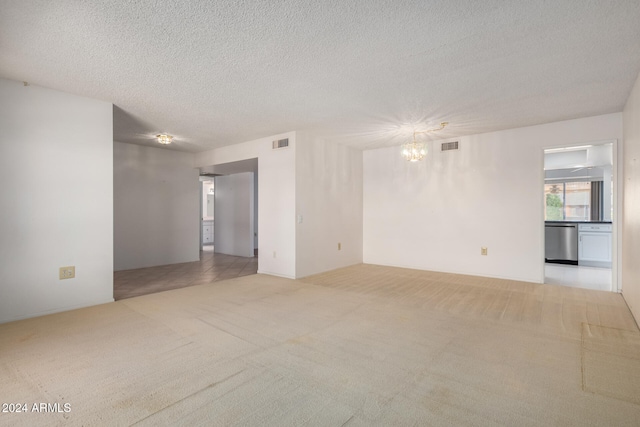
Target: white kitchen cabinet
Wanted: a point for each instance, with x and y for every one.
(207, 232)
(594, 245)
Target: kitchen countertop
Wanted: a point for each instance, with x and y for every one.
(577, 222)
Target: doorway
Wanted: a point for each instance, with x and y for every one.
(207, 189)
(579, 216)
(230, 208)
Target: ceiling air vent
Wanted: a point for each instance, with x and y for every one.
(281, 143)
(446, 146)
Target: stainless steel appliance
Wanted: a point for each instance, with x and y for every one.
(561, 243)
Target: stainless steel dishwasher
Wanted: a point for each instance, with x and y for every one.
(561, 243)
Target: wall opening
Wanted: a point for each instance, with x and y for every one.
(579, 216)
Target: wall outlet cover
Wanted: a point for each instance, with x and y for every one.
(67, 272)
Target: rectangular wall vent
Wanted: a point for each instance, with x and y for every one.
(281, 143)
(446, 146)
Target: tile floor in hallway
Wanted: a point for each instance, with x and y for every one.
(211, 267)
(575, 276)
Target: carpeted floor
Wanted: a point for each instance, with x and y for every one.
(360, 346)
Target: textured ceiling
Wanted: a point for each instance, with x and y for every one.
(366, 73)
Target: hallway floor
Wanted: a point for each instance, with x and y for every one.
(212, 267)
(575, 276)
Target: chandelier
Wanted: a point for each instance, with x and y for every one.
(164, 139)
(414, 151)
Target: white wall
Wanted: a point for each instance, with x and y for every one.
(156, 207)
(276, 198)
(233, 227)
(328, 205)
(438, 213)
(56, 209)
(255, 211)
(631, 210)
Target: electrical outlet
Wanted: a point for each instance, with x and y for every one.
(339, 246)
(67, 272)
(483, 251)
(274, 254)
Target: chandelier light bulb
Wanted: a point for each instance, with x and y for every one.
(164, 139)
(414, 151)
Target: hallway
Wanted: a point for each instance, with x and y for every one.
(212, 267)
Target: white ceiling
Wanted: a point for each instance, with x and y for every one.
(214, 73)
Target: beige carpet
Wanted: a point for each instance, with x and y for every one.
(611, 362)
(360, 346)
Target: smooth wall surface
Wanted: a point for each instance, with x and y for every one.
(437, 214)
(156, 207)
(276, 198)
(56, 209)
(631, 214)
(328, 205)
(234, 224)
(255, 210)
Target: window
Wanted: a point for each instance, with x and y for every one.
(554, 197)
(568, 201)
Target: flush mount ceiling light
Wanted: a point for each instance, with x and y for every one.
(164, 139)
(413, 150)
(562, 149)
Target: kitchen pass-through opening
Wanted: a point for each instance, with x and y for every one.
(579, 213)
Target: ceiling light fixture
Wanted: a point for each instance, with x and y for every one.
(164, 139)
(561, 149)
(414, 151)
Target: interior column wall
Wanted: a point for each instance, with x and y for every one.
(276, 198)
(328, 205)
(56, 209)
(631, 210)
